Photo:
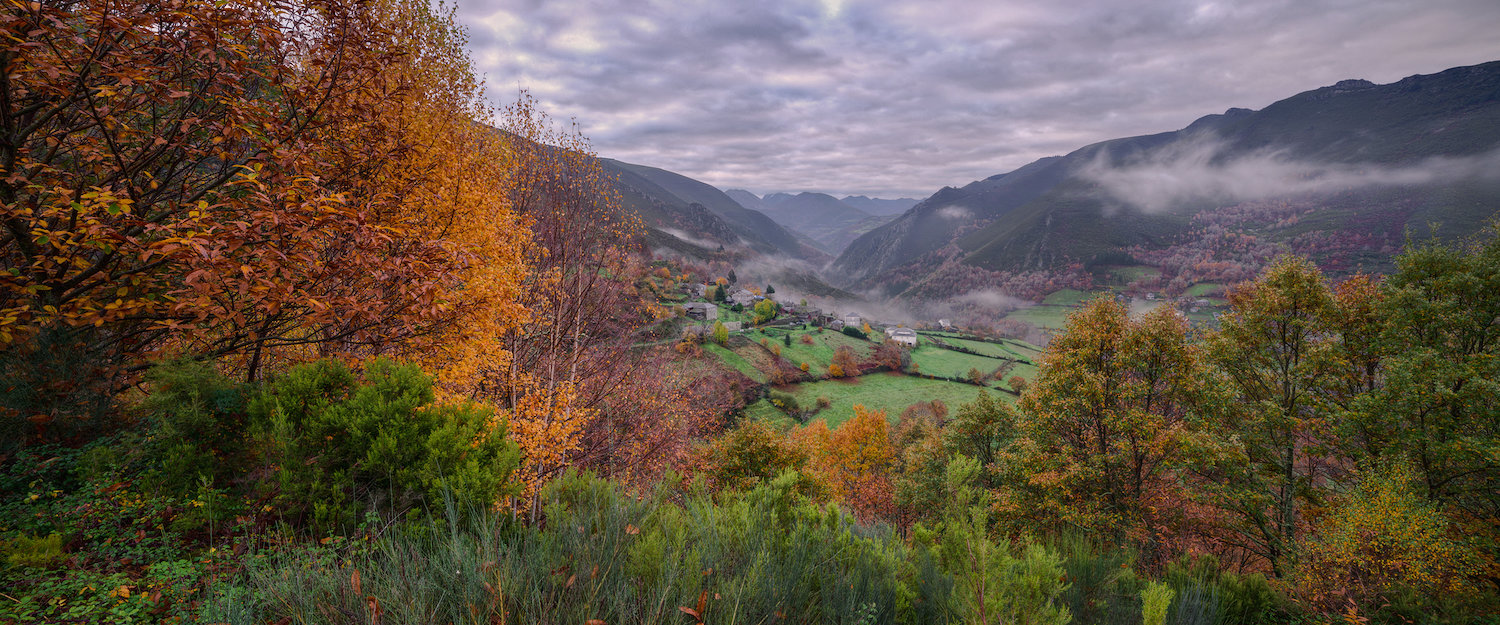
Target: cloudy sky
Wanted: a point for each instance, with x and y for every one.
(901, 98)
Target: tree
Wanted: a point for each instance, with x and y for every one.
(844, 358)
(750, 454)
(719, 293)
(853, 461)
(980, 430)
(721, 334)
(573, 349)
(994, 585)
(1279, 349)
(174, 185)
(1437, 407)
(765, 310)
(770, 289)
(1102, 431)
(1384, 544)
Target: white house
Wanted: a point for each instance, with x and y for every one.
(904, 336)
(852, 320)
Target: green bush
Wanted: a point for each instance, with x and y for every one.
(856, 333)
(196, 420)
(1208, 594)
(344, 446)
(1104, 588)
(1155, 600)
(767, 555)
(33, 552)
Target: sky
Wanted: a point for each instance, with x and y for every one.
(893, 99)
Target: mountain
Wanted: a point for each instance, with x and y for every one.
(828, 222)
(1338, 173)
(690, 217)
(878, 206)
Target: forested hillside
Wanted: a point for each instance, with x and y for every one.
(1340, 174)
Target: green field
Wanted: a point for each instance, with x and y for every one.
(891, 392)
(1009, 349)
(1126, 275)
(1068, 297)
(818, 355)
(934, 360)
(1044, 316)
(736, 361)
(1203, 289)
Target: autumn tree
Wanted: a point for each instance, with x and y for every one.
(750, 454)
(843, 358)
(852, 462)
(1281, 355)
(1102, 432)
(981, 429)
(1383, 547)
(572, 350)
(170, 187)
(1437, 406)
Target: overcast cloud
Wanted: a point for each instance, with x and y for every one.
(901, 98)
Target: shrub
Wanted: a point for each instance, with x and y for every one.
(1385, 548)
(835, 371)
(343, 446)
(605, 555)
(1207, 594)
(33, 552)
(806, 339)
(1155, 600)
(197, 419)
(856, 333)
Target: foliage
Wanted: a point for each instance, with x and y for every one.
(1439, 406)
(1103, 430)
(198, 422)
(33, 551)
(1384, 547)
(343, 444)
(1155, 600)
(765, 310)
(1208, 593)
(761, 556)
(994, 583)
(856, 333)
(1278, 348)
(1102, 585)
(721, 334)
(187, 179)
(980, 430)
(750, 454)
(851, 463)
(844, 358)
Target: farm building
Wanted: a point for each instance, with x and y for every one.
(701, 311)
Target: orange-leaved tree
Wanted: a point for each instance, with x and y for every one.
(573, 348)
(853, 462)
(165, 188)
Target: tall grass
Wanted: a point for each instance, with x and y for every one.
(764, 556)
